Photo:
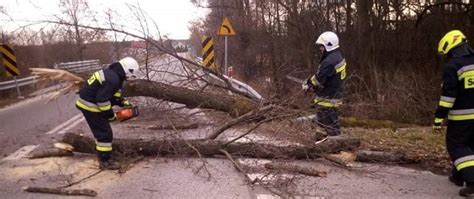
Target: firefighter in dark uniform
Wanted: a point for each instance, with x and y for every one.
(96, 98)
(457, 105)
(328, 83)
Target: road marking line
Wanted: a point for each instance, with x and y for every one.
(61, 126)
(63, 131)
(22, 152)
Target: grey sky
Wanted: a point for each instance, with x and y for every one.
(171, 16)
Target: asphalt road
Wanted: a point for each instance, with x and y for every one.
(33, 121)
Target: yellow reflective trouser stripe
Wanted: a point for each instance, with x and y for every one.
(87, 108)
(465, 164)
(461, 117)
(445, 104)
(103, 148)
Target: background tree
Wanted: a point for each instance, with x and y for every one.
(390, 46)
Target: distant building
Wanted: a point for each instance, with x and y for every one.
(138, 44)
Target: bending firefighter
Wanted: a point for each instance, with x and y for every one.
(96, 98)
(457, 105)
(328, 83)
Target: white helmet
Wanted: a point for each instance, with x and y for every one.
(329, 40)
(130, 66)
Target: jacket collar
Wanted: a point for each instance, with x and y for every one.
(117, 68)
(461, 51)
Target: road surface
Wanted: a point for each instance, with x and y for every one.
(32, 123)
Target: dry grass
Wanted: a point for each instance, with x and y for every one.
(428, 146)
(7, 101)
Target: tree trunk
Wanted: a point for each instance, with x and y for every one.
(235, 105)
(209, 148)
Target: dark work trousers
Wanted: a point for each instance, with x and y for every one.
(328, 119)
(101, 130)
(460, 144)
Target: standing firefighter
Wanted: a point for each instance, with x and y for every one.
(327, 83)
(96, 98)
(457, 104)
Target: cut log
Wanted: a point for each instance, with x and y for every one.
(49, 152)
(296, 169)
(56, 150)
(209, 148)
(385, 157)
(61, 191)
(235, 105)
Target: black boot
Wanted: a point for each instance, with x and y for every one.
(109, 165)
(106, 162)
(467, 191)
(456, 178)
(455, 181)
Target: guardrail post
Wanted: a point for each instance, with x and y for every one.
(17, 88)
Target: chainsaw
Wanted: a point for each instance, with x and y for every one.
(127, 113)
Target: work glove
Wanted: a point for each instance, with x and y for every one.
(437, 124)
(113, 118)
(305, 87)
(126, 103)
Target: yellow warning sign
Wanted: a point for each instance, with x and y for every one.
(226, 29)
(208, 52)
(9, 60)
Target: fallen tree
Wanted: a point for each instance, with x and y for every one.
(235, 105)
(209, 148)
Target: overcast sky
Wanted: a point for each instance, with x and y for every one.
(171, 16)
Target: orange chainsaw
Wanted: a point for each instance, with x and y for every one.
(127, 113)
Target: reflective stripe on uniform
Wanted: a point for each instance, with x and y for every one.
(100, 76)
(104, 106)
(118, 93)
(461, 114)
(446, 102)
(341, 66)
(438, 120)
(314, 81)
(103, 146)
(466, 161)
(327, 102)
(466, 71)
(88, 106)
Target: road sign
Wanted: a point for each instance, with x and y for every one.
(208, 52)
(226, 29)
(9, 60)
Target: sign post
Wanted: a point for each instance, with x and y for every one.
(226, 30)
(9, 62)
(225, 56)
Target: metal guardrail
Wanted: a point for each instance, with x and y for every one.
(21, 82)
(79, 66)
(76, 67)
